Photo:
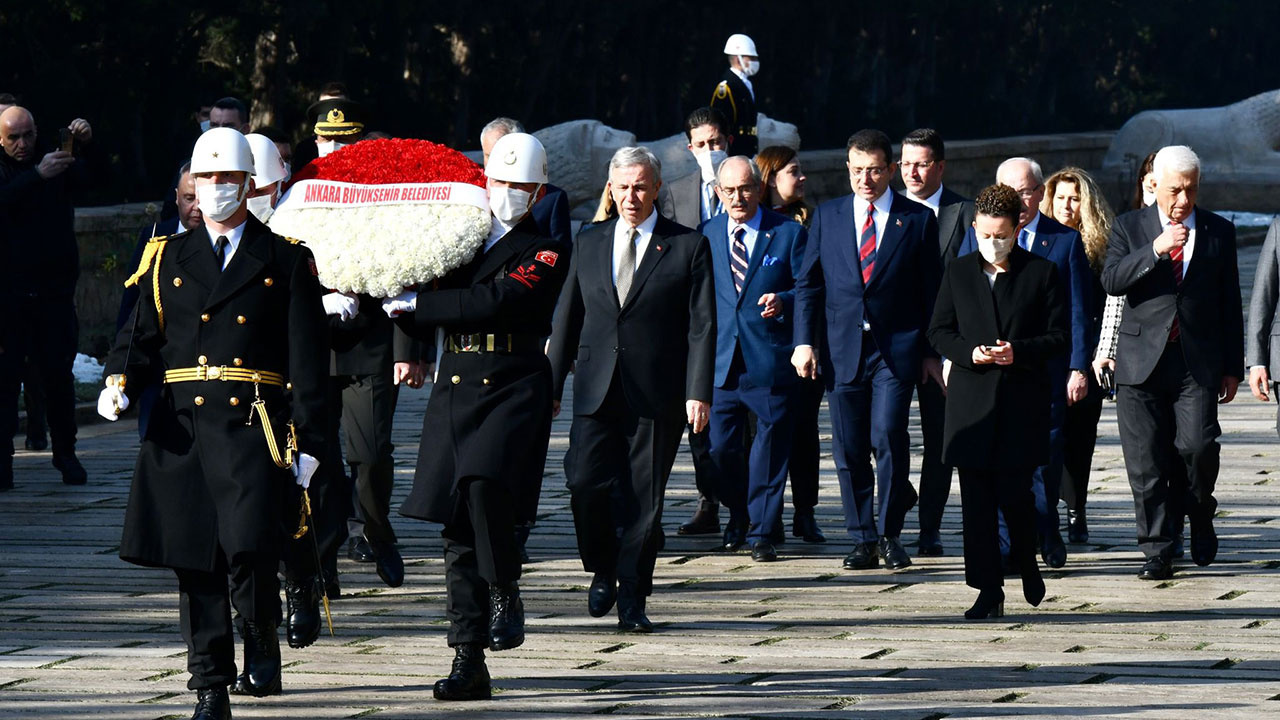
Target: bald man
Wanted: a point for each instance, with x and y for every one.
(38, 282)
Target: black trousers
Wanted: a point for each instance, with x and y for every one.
(330, 494)
(617, 451)
(33, 400)
(705, 477)
(805, 446)
(935, 475)
(205, 599)
(479, 551)
(1081, 435)
(1168, 421)
(982, 493)
(44, 332)
(368, 407)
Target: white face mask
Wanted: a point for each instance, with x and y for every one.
(1148, 197)
(749, 67)
(708, 161)
(328, 146)
(995, 250)
(509, 204)
(221, 200)
(263, 206)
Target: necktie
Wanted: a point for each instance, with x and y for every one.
(738, 259)
(1175, 256)
(220, 251)
(867, 248)
(1022, 239)
(708, 201)
(627, 266)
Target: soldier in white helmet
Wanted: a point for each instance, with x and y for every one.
(229, 327)
(735, 96)
(269, 175)
(491, 316)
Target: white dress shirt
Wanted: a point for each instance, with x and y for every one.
(1190, 247)
(1030, 229)
(644, 232)
(933, 202)
(233, 241)
(745, 81)
(496, 232)
(882, 204)
(752, 226)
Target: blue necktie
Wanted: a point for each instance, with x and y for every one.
(738, 259)
(1023, 237)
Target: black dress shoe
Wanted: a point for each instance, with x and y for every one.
(990, 604)
(602, 594)
(805, 527)
(863, 557)
(764, 551)
(6, 473)
(1077, 527)
(631, 617)
(469, 679)
(1033, 585)
(72, 471)
(735, 535)
(1204, 541)
(1054, 551)
(705, 520)
(388, 563)
(302, 612)
(895, 556)
(1156, 568)
(506, 617)
(261, 676)
(522, 540)
(212, 704)
(38, 443)
(930, 544)
(358, 550)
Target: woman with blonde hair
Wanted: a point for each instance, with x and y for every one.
(1072, 198)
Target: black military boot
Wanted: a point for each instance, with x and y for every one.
(212, 704)
(506, 617)
(302, 605)
(261, 675)
(469, 679)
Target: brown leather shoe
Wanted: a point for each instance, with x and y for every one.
(705, 520)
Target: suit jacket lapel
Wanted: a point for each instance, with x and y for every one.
(764, 238)
(1206, 245)
(195, 257)
(716, 231)
(245, 265)
(499, 254)
(980, 288)
(892, 239)
(846, 218)
(657, 249)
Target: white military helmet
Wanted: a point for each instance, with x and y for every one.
(739, 44)
(268, 166)
(517, 158)
(222, 150)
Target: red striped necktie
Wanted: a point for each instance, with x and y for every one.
(867, 247)
(1175, 256)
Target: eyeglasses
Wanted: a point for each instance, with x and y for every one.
(744, 191)
(875, 172)
(919, 165)
(1028, 193)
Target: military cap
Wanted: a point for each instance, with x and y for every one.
(337, 117)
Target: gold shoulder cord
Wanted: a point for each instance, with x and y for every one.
(722, 92)
(151, 255)
(259, 408)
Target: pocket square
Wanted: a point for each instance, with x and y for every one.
(768, 260)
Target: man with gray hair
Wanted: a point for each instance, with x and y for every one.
(1180, 354)
(637, 316)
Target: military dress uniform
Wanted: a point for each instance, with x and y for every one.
(493, 386)
(208, 497)
(735, 100)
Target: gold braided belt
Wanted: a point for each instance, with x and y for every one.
(202, 373)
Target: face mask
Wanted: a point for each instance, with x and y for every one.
(220, 201)
(708, 161)
(749, 67)
(204, 126)
(995, 250)
(1148, 198)
(509, 204)
(262, 206)
(324, 148)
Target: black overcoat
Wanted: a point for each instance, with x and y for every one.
(484, 407)
(204, 478)
(998, 416)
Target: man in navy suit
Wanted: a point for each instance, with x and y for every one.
(871, 271)
(756, 254)
(1054, 241)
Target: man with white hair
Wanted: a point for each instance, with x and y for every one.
(1180, 354)
(637, 319)
(1046, 237)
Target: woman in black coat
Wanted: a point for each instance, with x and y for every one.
(998, 319)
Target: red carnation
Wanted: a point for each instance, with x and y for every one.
(389, 161)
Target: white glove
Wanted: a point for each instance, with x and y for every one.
(341, 304)
(112, 402)
(406, 301)
(303, 468)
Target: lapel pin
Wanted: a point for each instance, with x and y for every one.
(657, 247)
(898, 222)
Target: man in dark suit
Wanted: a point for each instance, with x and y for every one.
(735, 96)
(1180, 354)
(1054, 241)
(1264, 309)
(871, 272)
(691, 200)
(637, 316)
(229, 311)
(757, 255)
(923, 163)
